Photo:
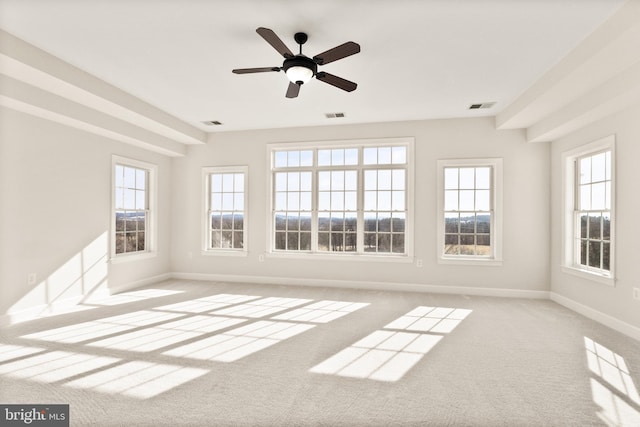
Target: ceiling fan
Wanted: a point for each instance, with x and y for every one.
(300, 68)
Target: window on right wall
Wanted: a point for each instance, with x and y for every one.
(470, 211)
(589, 190)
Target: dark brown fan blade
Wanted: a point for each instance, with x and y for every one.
(255, 70)
(338, 52)
(336, 81)
(275, 41)
(293, 90)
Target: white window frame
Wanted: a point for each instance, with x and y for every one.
(359, 255)
(570, 250)
(495, 258)
(206, 192)
(151, 230)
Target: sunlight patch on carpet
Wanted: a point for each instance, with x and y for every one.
(613, 389)
(388, 354)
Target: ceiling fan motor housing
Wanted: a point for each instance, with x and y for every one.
(300, 61)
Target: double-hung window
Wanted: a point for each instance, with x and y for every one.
(589, 222)
(342, 198)
(133, 209)
(469, 210)
(225, 203)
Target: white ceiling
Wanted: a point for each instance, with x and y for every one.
(420, 59)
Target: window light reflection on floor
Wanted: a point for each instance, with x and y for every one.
(8, 351)
(154, 338)
(132, 296)
(262, 307)
(137, 379)
(240, 342)
(54, 366)
(321, 311)
(613, 389)
(207, 304)
(388, 354)
(102, 327)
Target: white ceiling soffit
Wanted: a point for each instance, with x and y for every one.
(154, 71)
(598, 78)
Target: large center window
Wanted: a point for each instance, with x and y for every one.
(350, 198)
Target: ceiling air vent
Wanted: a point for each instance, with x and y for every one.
(212, 123)
(334, 115)
(481, 105)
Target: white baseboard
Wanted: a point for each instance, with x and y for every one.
(353, 284)
(598, 316)
(72, 304)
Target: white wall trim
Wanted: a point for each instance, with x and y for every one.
(368, 285)
(600, 317)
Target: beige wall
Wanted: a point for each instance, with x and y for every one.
(526, 209)
(55, 186)
(617, 301)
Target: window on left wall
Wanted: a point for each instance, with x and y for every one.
(133, 208)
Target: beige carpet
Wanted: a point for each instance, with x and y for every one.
(212, 354)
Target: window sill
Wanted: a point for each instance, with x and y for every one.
(119, 259)
(342, 257)
(223, 252)
(492, 262)
(590, 275)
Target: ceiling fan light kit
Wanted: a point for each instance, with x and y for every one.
(299, 68)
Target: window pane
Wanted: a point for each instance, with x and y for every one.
(451, 200)
(384, 222)
(595, 228)
(606, 247)
(293, 159)
(585, 170)
(482, 200)
(397, 243)
(292, 241)
(227, 201)
(351, 156)
(451, 178)
(293, 181)
(467, 245)
(585, 197)
(324, 157)
(305, 222)
(281, 200)
(598, 196)
(281, 221)
(598, 167)
(337, 201)
(594, 254)
(384, 155)
(281, 181)
(483, 178)
(305, 201)
(280, 159)
(238, 222)
(238, 183)
(238, 201)
(397, 202)
(305, 241)
(227, 182)
(216, 183)
(384, 243)
(293, 201)
(398, 224)
(227, 237)
(337, 157)
(324, 181)
(583, 226)
(129, 199)
(583, 252)
(398, 179)
(370, 200)
(467, 178)
(216, 221)
(451, 223)
(227, 222)
(467, 202)
(370, 180)
(119, 198)
(351, 201)
(399, 155)
(323, 241)
(118, 176)
(606, 226)
(483, 245)
(483, 224)
(384, 200)
(141, 179)
(337, 180)
(467, 224)
(451, 244)
(281, 241)
(370, 222)
(324, 200)
(351, 180)
(305, 181)
(129, 177)
(370, 156)
(237, 240)
(384, 180)
(306, 158)
(324, 221)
